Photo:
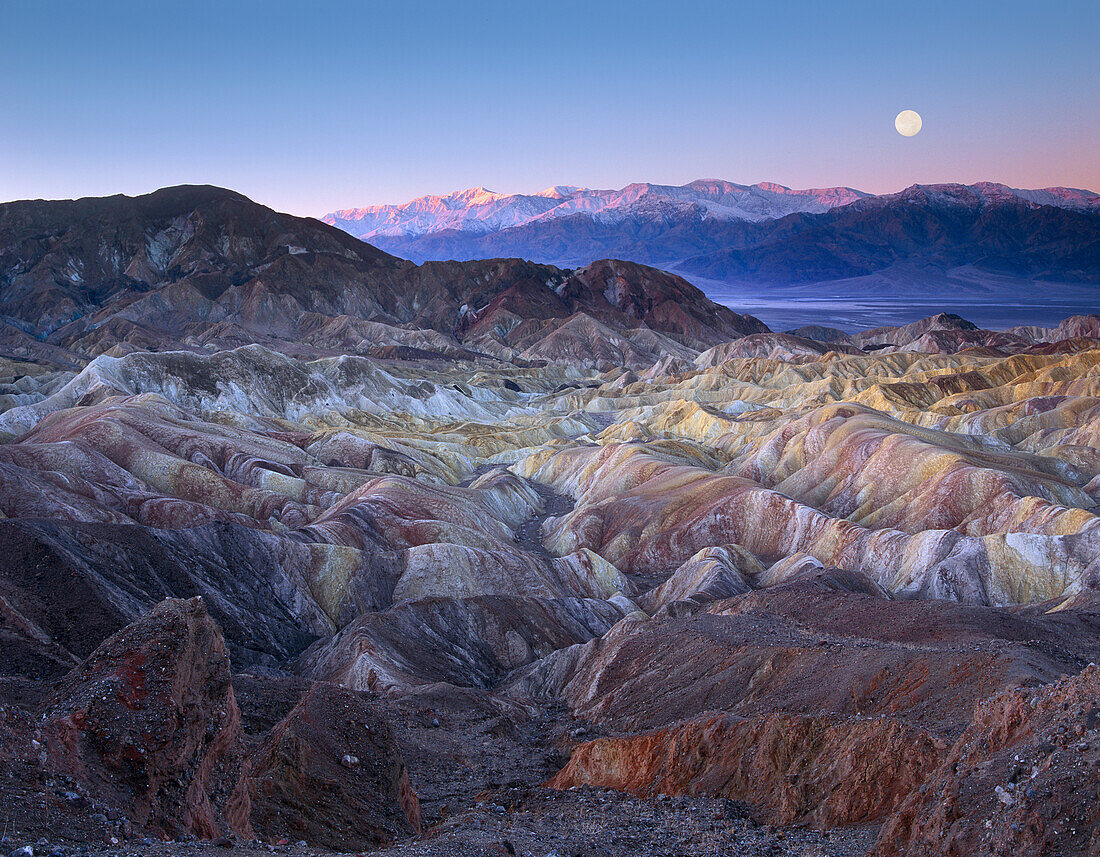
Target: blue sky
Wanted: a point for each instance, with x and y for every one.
(314, 106)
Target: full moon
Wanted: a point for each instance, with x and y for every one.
(907, 122)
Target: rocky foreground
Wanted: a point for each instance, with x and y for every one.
(534, 562)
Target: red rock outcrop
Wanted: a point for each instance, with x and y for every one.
(150, 726)
(150, 723)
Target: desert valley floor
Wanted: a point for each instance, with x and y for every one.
(306, 548)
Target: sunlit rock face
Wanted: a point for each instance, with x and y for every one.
(807, 770)
(585, 495)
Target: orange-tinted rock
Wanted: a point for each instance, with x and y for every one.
(330, 773)
(823, 771)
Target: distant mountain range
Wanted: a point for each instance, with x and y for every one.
(764, 233)
(479, 211)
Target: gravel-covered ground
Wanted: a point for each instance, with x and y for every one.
(537, 822)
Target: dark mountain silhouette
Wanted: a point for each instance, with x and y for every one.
(204, 265)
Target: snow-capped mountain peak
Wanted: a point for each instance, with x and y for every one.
(479, 210)
(560, 191)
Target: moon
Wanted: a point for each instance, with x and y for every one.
(908, 123)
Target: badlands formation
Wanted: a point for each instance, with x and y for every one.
(309, 547)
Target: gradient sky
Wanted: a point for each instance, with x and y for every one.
(309, 107)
